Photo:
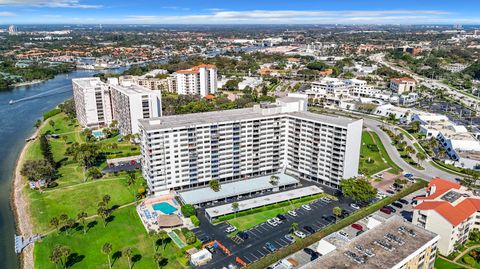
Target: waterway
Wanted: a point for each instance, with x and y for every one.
(16, 124)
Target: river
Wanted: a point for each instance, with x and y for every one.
(16, 124)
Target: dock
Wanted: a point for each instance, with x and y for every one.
(21, 243)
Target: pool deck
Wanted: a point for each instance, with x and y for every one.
(148, 215)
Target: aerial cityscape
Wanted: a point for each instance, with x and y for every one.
(239, 134)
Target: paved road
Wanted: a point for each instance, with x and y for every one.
(427, 174)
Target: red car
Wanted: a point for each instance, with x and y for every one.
(357, 226)
(386, 210)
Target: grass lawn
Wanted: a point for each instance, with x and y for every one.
(124, 231)
(248, 221)
(443, 264)
(395, 168)
(376, 163)
(74, 199)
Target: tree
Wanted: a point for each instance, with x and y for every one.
(188, 210)
(420, 157)
(55, 223)
(293, 227)
(235, 208)
(337, 211)
(214, 184)
(106, 199)
(162, 236)
(128, 254)
(55, 256)
(34, 170)
(104, 214)
(86, 155)
(51, 122)
(64, 252)
(94, 173)
(274, 180)
(131, 177)
(106, 249)
(153, 236)
(157, 257)
(37, 124)
(358, 189)
(415, 126)
(69, 225)
(81, 217)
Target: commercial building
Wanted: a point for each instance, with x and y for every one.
(401, 85)
(198, 80)
(392, 243)
(185, 151)
(92, 102)
(449, 210)
(97, 103)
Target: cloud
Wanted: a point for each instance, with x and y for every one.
(297, 16)
(6, 14)
(48, 3)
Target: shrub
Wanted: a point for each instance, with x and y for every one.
(51, 113)
(188, 210)
(468, 260)
(195, 220)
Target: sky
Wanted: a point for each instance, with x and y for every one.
(240, 12)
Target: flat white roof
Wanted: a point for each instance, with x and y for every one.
(264, 200)
(206, 194)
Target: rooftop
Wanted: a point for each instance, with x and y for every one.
(235, 188)
(403, 240)
(132, 89)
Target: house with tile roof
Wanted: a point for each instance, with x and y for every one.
(448, 209)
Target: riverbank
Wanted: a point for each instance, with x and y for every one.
(20, 206)
(33, 82)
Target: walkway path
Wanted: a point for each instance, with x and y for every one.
(465, 252)
(459, 264)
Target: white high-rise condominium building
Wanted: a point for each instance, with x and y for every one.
(98, 104)
(198, 80)
(92, 102)
(184, 151)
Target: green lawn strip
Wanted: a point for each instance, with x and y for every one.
(384, 153)
(75, 199)
(444, 264)
(407, 134)
(360, 214)
(377, 163)
(125, 231)
(444, 167)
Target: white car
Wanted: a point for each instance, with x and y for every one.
(230, 229)
(353, 205)
(300, 234)
(292, 213)
(272, 222)
(306, 207)
(277, 220)
(326, 199)
(344, 234)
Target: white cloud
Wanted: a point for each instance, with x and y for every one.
(48, 3)
(6, 14)
(298, 16)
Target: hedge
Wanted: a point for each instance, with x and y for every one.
(195, 220)
(51, 113)
(360, 214)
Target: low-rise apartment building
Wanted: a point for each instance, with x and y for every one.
(198, 80)
(448, 210)
(160, 84)
(401, 85)
(184, 151)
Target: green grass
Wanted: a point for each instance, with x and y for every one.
(249, 221)
(380, 159)
(124, 231)
(443, 264)
(447, 168)
(395, 168)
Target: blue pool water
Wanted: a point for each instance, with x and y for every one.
(97, 134)
(165, 208)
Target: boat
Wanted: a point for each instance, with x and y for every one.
(11, 102)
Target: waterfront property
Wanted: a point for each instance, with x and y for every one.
(215, 212)
(185, 151)
(239, 189)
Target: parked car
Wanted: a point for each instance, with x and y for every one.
(331, 218)
(326, 199)
(300, 234)
(205, 239)
(230, 229)
(309, 251)
(390, 192)
(272, 222)
(397, 205)
(391, 208)
(357, 226)
(306, 207)
(386, 210)
(314, 256)
(355, 206)
(211, 249)
(277, 220)
(408, 175)
(243, 235)
(289, 238)
(270, 247)
(281, 217)
(344, 234)
(309, 229)
(292, 213)
(403, 201)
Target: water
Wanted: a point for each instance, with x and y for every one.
(16, 124)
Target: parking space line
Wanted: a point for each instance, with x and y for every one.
(261, 253)
(246, 258)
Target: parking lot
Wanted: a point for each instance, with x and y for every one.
(254, 248)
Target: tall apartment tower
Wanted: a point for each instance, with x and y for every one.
(92, 102)
(185, 151)
(198, 80)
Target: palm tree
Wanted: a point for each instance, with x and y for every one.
(128, 254)
(162, 236)
(81, 217)
(106, 249)
(63, 252)
(337, 211)
(153, 235)
(235, 208)
(293, 227)
(55, 223)
(63, 218)
(103, 213)
(131, 178)
(157, 257)
(420, 157)
(70, 223)
(106, 199)
(214, 185)
(55, 256)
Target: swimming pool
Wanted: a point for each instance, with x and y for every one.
(165, 208)
(98, 134)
